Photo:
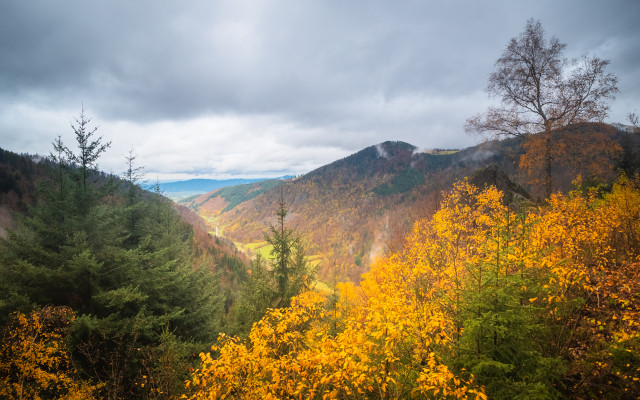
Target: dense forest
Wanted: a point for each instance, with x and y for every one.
(485, 288)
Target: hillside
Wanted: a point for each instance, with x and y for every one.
(224, 199)
(355, 209)
(352, 210)
(20, 177)
(181, 190)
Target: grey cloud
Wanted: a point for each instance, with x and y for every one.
(337, 75)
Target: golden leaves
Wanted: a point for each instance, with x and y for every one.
(34, 360)
(399, 330)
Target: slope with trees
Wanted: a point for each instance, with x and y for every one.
(543, 96)
(348, 210)
(487, 299)
(122, 261)
(354, 210)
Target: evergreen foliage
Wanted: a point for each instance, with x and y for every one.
(404, 181)
(274, 284)
(241, 193)
(122, 259)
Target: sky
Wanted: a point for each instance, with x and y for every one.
(239, 88)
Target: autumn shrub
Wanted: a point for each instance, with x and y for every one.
(485, 299)
(34, 361)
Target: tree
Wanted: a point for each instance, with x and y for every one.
(543, 93)
(634, 119)
(60, 156)
(133, 175)
(274, 285)
(289, 267)
(89, 149)
(125, 265)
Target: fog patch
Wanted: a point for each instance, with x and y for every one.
(381, 151)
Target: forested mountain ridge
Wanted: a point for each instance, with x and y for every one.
(223, 199)
(354, 209)
(349, 210)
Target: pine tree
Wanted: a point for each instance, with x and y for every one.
(89, 148)
(274, 285)
(75, 249)
(290, 269)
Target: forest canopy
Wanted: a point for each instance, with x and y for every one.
(486, 299)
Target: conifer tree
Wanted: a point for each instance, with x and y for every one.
(274, 285)
(89, 148)
(74, 249)
(289, 267)
(133, 175)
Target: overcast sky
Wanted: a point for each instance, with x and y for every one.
(222, 89)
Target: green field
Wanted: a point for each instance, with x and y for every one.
(263, 248)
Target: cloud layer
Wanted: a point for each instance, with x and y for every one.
(263, 88)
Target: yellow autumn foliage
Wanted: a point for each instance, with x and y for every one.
(572, 264)
(34, 363)
(384, 351)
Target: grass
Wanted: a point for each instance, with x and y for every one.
(263, 248)
(322, 287)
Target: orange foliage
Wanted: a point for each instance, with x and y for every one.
(589, 149)
(34, 363)
(381, 351)
(572, 265)
(591, 246)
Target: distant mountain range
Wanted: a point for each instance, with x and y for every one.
(181, 189)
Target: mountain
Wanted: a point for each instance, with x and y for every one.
(348, 211)
(357, 208)
(181, 189)
(224, 199)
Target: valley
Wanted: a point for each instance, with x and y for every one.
(350, 211)
(359, 208)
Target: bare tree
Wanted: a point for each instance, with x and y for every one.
(633, 118)
(542, 92)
